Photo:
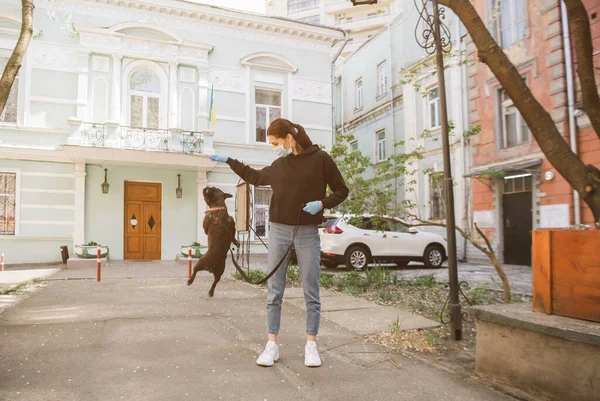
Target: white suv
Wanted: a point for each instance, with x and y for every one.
(369, 240)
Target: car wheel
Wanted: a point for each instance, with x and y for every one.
(357, 257)
(433, 257)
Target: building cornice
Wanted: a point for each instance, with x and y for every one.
(373, 114)
(205, 15)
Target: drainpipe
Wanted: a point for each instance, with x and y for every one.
(333, 95)
(464, 121)
(570, 101)
(391, 71)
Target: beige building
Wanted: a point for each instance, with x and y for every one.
(362, 21)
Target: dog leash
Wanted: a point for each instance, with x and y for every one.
(245, 276)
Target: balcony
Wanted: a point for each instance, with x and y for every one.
(148, 139)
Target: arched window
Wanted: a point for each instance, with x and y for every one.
(144, 99)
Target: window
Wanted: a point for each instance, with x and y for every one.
(296, 6)
(509, 21)
(260, 219)
(433, 100)
(313, 19)
(382, 79)
(381, 154)
(8, 203)
(514, 128)
(268, 108)
(9, 115)
(353, 146)
(359, 94)
(437, 209)
(144, 99)
(517, 183)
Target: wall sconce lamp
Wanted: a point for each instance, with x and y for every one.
(105, 184)
(178, 190)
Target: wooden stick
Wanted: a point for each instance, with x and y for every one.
(98, 263)
(189, 262)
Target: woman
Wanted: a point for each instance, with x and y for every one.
(299, 179)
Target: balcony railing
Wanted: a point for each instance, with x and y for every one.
(145, 138)
(123, 137)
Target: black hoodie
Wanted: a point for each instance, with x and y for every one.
(297, 180)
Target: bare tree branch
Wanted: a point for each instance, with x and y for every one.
(582, 38)
(14, 63)
(489, 252)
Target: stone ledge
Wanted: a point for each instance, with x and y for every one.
(522, 316)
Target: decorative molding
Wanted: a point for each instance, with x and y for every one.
(309, 90)
(53, 175)
(48, 222)
(37, 206)
(22, 238)
(208, 19)
(54, 58)
(269, 61)
(187, 75)
(228, 79)
(97, 39)
(55, 100)
(100, 63)
(170, 35)
(49, 191)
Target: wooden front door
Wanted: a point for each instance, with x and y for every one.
(143, 220)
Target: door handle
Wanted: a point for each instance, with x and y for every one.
(395, 236)
(365, 235)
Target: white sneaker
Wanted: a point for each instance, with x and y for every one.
(269, 355)
(311, 355)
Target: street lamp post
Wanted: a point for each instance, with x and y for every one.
(435, 37)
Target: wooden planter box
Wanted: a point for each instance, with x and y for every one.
(566, 273)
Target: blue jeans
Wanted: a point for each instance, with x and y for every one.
(308, 252)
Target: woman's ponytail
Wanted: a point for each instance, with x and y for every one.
(301, 137)
(281, 128)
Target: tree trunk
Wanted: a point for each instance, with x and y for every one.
(584, 179)
(14, 63)
(582, 38)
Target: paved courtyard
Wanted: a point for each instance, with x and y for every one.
(142, 334)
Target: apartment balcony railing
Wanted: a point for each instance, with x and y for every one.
(111, 135)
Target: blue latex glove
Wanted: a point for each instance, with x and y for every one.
(219, 158)
(313, 207)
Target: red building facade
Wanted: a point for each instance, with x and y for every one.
(514, 188)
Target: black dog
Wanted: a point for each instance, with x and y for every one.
(220, 228)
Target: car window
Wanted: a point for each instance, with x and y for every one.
(327, 221)
(376, 224)
(330, 222)
(398, 227)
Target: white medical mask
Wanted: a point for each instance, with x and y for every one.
(280, 151)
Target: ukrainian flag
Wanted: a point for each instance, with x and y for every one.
(212, 115)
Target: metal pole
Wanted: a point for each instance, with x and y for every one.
(454, 304)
